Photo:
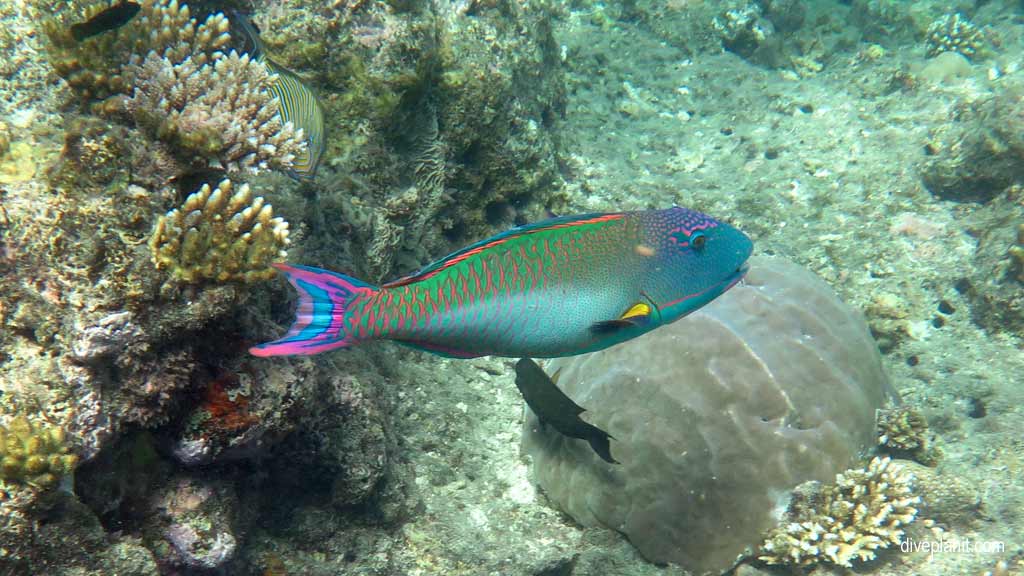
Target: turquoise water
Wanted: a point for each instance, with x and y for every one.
(876, 145)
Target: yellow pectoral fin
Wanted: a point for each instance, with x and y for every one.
(638, 309)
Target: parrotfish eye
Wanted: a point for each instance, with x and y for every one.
(697, 240)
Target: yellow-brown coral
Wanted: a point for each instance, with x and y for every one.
(34, 454)
(863, 511)
(220, 234)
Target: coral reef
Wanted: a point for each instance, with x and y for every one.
(954, 33)
(422, 102)
(222, 110)
(780, 388)
(96, 68)
(864, 510)
(222, 234)
(903, 433)
(34, 453)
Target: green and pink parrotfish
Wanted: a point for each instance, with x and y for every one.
(565, 286)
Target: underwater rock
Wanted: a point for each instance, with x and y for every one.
(995, 284)
(197, 518)
(980, 152)
(716, 418)
(107, 336)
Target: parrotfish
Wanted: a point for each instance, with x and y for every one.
(109, 19)
(297, 102)
(553, 407)
(560, 287)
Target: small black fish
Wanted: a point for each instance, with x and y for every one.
(553, 407)
(110, 19)
(193, 179)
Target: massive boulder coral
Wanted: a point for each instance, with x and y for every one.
(716, 418)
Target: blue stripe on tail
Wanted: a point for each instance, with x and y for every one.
(325, 300)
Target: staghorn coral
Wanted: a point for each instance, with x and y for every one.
(864, 510)
(220, 234)
(954, 33)
(222, 110)
(96, 68)
(34, 454)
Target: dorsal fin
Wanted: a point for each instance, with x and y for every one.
(500, 238)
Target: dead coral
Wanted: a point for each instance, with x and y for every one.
(220, 234)
(865, 510)
(220, 111)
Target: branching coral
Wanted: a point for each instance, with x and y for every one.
(220, 234)
(34, 454)
(863, 511)
(903, 431)
(96, 67)
(222, 110)
(954, 33)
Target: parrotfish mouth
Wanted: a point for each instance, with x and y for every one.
(736, 277)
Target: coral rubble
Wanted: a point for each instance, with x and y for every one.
(864, 510)
(221, 234)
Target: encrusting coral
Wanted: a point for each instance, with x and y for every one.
(954, 33)
(866, 509)
(35, 454)
(222, 110)
(220, 234)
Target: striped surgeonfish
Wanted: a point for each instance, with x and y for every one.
(298, 103)
(561, 287)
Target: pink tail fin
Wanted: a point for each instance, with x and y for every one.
(325, 299)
